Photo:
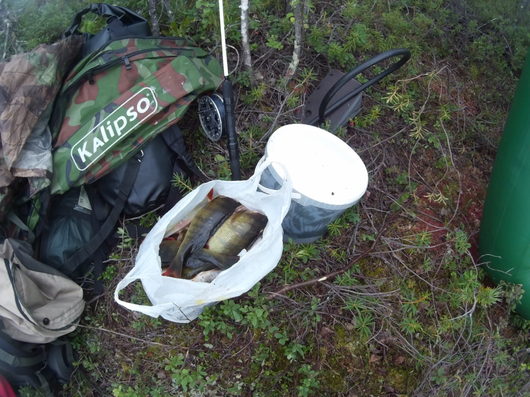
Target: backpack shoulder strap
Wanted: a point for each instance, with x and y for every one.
(87, 252)
(175, 141)
(22, 362)
(36, 365)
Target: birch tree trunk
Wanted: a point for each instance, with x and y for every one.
(152, 16)
(247, 60)
(299, 6)
(6, 33)
(5, 29)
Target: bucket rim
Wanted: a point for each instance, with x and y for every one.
(350, 176)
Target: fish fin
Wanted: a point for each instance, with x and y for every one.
(168, 249)
(225, 261)
(220, 261)
(169, 272)
(175, 267)
(178, 229)
(190, 272)
(240, 208)
(210, 195)
(203, 260)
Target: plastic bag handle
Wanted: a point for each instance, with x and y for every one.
(287, 184)
(258, 171)
(261, 167)
(153, 311)
(270, 191)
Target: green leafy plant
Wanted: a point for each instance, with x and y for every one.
(307, 252)
(126, 241)
(109, 273)
(273, 42)
(294, 351)
(186, 379)
(309, 381)
(461, 242)
(364, 323)
(182, 182)
(487, 296)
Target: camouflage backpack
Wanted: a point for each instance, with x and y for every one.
(120, 97)
(128, 89)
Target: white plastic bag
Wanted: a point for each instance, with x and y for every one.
(181, 300)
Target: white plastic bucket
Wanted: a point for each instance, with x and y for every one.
(328, 177)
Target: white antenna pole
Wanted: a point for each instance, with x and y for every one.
(223, 38)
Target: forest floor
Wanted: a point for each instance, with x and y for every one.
(411, 312)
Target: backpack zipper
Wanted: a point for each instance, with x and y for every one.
(127, 63)
(126, 60)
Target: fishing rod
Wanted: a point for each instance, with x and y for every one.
(228, 98)
(216, 112)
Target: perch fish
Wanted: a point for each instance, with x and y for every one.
(203, 224)
(221, 251)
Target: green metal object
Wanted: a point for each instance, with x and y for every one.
(505, 227)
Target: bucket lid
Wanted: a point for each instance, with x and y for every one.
(321, 166)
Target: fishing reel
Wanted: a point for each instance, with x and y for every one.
(216, 114)
(212, 115)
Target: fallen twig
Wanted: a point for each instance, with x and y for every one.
(127, 336)
(327, 277)
(334, 274)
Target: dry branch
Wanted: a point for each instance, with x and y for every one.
(334, 274)
(327, 277)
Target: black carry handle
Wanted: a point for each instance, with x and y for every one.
(323, 110)
(121, 23)
(126, 16)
